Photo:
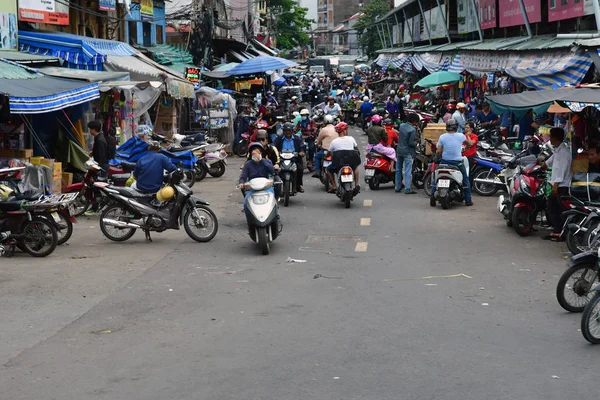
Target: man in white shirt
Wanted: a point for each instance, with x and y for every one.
(560, 161)
(343, 143)
(459, 116)
(332, 108)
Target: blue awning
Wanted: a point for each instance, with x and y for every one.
(39, 94)
(79, 52)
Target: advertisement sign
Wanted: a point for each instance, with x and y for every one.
(44, 11)
(466, 16)
(487, 12)
(8, 25)
(108, 5)
(147, 10)
(436, 24)
(192, 74)
(510, 12)
(564, 9)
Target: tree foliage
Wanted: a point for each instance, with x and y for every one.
(365, 26)
(290, 23)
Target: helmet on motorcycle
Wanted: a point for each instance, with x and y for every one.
(288, 126)
(165, 194)
(392, 92)
(461, 105)
(451, 125)
(256, 145)
(328, 119)
(153, 146)
(376, 119)
(261, 134)
(5, 192)
(388, 121)
(304, 111)
(341, 127)
(261, 124)
(450, 107)
(366, 98)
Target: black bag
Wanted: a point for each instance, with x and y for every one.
(111, 146)
(340, 158)
(586, 186)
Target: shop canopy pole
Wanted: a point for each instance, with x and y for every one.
(425, 22)
(474, 10)
(383, 45)
(399, 30)
(411, 28)
(443, 15)
(387, 23)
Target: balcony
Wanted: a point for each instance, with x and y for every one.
(322, 8)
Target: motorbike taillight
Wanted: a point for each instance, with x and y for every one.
(346, 171)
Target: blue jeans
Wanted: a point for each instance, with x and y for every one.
(317, 162)
(466, 181)
(404, 162)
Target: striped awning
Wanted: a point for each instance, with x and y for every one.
(432, 62)
(79, 52)
(402, 62)
(384, 60)
(535, 70)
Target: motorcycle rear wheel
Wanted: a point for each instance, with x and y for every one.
(189, 178)
(374, 183)
(484, 189)
(575, 242)
(521, 221)
(590, 320)
(286, 193)
(574, 287)
(427, 185)
(418, 177)
(217, 169)
(81, 205)
(445, 202)
(348, 199)
(263, 241)
(209, 219)
(115, 212)
(242, 149)
(66, 230)
(200, 170)
(38, 231)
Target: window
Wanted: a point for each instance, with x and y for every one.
(552, 4)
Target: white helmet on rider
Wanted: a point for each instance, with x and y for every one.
(304, 111)
(366, 98)
(392, 92)
(328, 119)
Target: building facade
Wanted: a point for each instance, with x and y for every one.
(146, 23)
(331, 15)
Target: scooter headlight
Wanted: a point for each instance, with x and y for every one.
(260, 199)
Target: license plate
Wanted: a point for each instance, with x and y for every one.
(347, 178)
(443, 183)
(369, 172)
(55, 217)
(326, 164)
(71, 209)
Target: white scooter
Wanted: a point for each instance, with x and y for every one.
(264, 225)
(449, 184)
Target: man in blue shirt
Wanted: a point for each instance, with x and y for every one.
(294, 144)
(487, 117)
(149, 170)
(449, 147)
(366, 109)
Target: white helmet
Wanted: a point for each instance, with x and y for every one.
(366, 98)
(304, 111)
(392, 93)
(295, 113)
(328, 119)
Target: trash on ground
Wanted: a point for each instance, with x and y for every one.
(293, 260)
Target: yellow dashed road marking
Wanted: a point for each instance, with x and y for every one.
(361, 247)
(365, 221)
(367, 203)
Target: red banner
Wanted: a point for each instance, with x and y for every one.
(564, 9)
(510, 12)
(487, 13)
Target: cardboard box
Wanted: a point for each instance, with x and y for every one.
(433, 133)
(23, 153)
(35, 160)
(56, 186)
(67, 179)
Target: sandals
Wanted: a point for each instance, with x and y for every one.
(331, 190)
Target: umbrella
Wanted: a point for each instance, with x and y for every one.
(261, 64)
(438, 78)
(226, 67)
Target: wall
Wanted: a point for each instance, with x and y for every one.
(8, 24)
(137, 37)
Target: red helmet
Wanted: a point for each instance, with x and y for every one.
(341, 127)
(262, 124)
(401, 87)
(450, 107)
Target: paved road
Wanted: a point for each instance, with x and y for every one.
(357, 320)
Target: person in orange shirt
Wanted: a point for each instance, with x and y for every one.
(470, 151)
(392, 134)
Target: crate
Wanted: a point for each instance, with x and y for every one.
(35, 160)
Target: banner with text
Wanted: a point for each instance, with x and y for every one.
(565, 9)
(465, 16)
(44, 11)
(510, 12)
(147, 10)
(8, 25)
(108, 5)
(487, 13)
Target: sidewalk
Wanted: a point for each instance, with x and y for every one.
(39, 296)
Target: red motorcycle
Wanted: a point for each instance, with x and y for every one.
(249, 137)
(89, 195)
(378, 170)
(528, 199)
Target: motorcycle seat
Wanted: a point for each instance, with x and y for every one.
(11, 204)
(182, 149)
(129, 192)
(127, 166)
(447, 166)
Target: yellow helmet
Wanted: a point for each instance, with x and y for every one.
(130, 181)
(5, 192)
(165, 194)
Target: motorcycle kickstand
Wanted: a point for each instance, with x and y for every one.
(147, 233)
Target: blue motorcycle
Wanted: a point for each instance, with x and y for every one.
(484, 176)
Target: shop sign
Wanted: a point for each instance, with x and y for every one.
(8, 26)
(465, 16)
(564, 9)
(487, 12)
(147, 10)
(108, 5)
(510, 12)
(44, 11)
(192, 74)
